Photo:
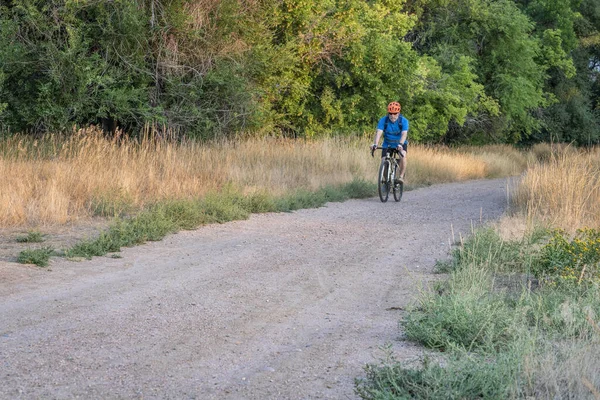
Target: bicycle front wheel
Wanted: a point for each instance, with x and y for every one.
(398, 187)
(383, 184)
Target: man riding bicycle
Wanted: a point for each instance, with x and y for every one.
(395, 131)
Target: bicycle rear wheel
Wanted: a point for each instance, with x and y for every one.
(398, 187)
(383, 184)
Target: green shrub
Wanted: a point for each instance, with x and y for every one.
(184, 214)
(487, 249)
(464, 313)
(570, 261)
(564, 312)
(358, 189)
(148, 225)
(260, 202)
(224, 207)
(39, 257)
(464, 376)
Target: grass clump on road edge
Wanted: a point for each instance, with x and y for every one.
(502, 326)
(465, 376)
(171, 216)
(39, 257)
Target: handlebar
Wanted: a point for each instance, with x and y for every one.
(392, 150)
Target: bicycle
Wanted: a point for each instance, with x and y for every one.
(387, 174)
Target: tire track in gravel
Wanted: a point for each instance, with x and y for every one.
(281, 306)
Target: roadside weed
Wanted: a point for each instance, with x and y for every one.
(463, 376)
(39, 257)
(487, 249)
(464, 313)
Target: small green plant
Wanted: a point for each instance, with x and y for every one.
(31, 237)
(564, 311)
(486, 247)
(39, 257)
(444, 266)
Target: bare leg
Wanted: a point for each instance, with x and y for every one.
(402, 166)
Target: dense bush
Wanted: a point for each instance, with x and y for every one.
(572, 261)
(474, 71)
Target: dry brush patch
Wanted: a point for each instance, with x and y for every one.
(564, 191)
(500, 160)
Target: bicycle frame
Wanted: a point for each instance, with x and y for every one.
(387, 175)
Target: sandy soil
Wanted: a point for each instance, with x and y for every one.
(281, 306)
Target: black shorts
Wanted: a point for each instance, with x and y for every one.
(385, 150)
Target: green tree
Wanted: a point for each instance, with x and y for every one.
(495, 37)
(340, 62)
(122, 62)
(72, 62)
(567, 31)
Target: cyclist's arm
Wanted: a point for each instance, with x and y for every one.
(402, 140)
(404, 127)
(403, 137)
(378, 134)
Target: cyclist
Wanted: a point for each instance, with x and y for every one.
(394, 128)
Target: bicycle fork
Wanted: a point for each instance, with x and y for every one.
(391, 172)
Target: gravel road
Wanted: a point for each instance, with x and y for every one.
(281, 306)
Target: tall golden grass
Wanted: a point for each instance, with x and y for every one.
(429, 165)
(500, 160)
(563, 191)
(56, 180)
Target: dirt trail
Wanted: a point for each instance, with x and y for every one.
(282, 306)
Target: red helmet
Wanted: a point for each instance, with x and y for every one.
(394, 107)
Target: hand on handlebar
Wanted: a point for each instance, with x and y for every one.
(373, 148)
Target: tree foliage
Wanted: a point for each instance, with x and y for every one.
(567, 30)
(495, 37)
(464, 70)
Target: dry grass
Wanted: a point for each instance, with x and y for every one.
(55, 180)
(566, 371)
(441, 164)
(564, 191)
(512, 227)
(427, 165)
(500, 160)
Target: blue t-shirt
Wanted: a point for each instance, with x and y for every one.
(393, 133)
